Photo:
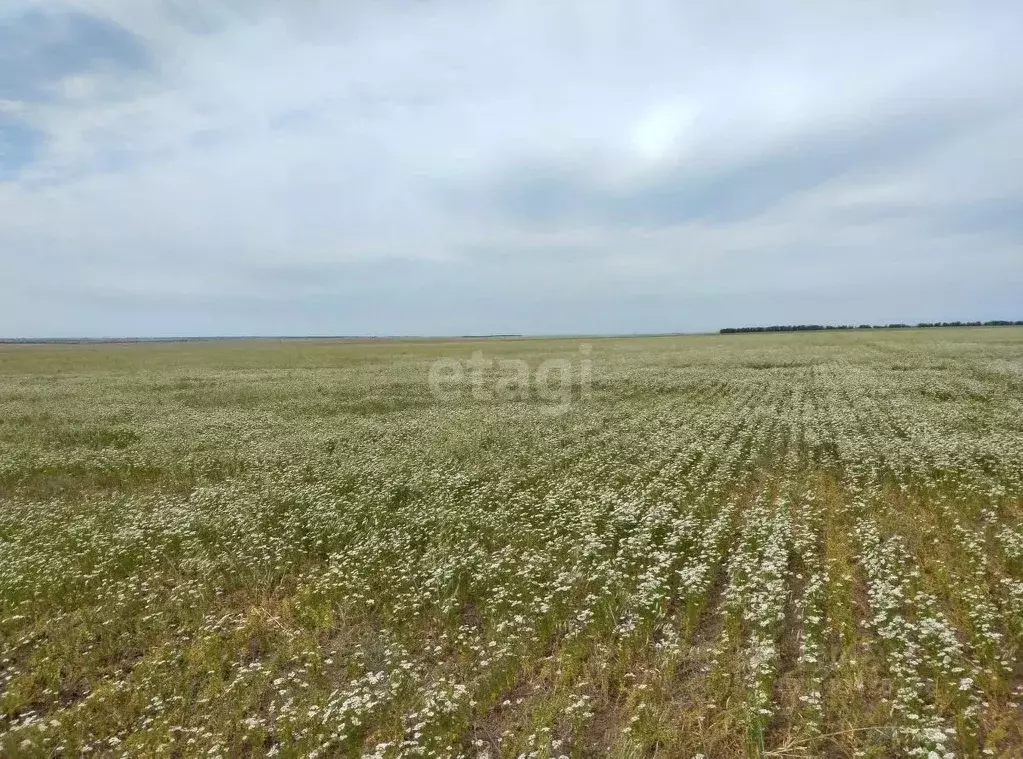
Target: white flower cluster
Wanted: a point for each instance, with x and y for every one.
(733, 546)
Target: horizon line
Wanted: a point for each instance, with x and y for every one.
(756, 329)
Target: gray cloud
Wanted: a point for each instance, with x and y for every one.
(19, 144)
(40, 47)
(736, 189)
(171, 167)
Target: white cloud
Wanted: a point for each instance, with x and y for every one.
(662, 131)
(641, 148)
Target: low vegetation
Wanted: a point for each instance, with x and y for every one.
(764, 545)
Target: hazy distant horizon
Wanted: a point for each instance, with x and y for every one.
(742, 329)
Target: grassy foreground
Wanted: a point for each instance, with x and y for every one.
(782, 545)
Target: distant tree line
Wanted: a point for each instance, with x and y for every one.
(823, 327)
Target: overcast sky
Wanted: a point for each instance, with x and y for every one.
(197, 167)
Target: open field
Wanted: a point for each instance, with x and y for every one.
(792, 545)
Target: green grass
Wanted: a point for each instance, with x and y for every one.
(786, 545)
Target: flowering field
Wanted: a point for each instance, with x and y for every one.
(783, 545)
